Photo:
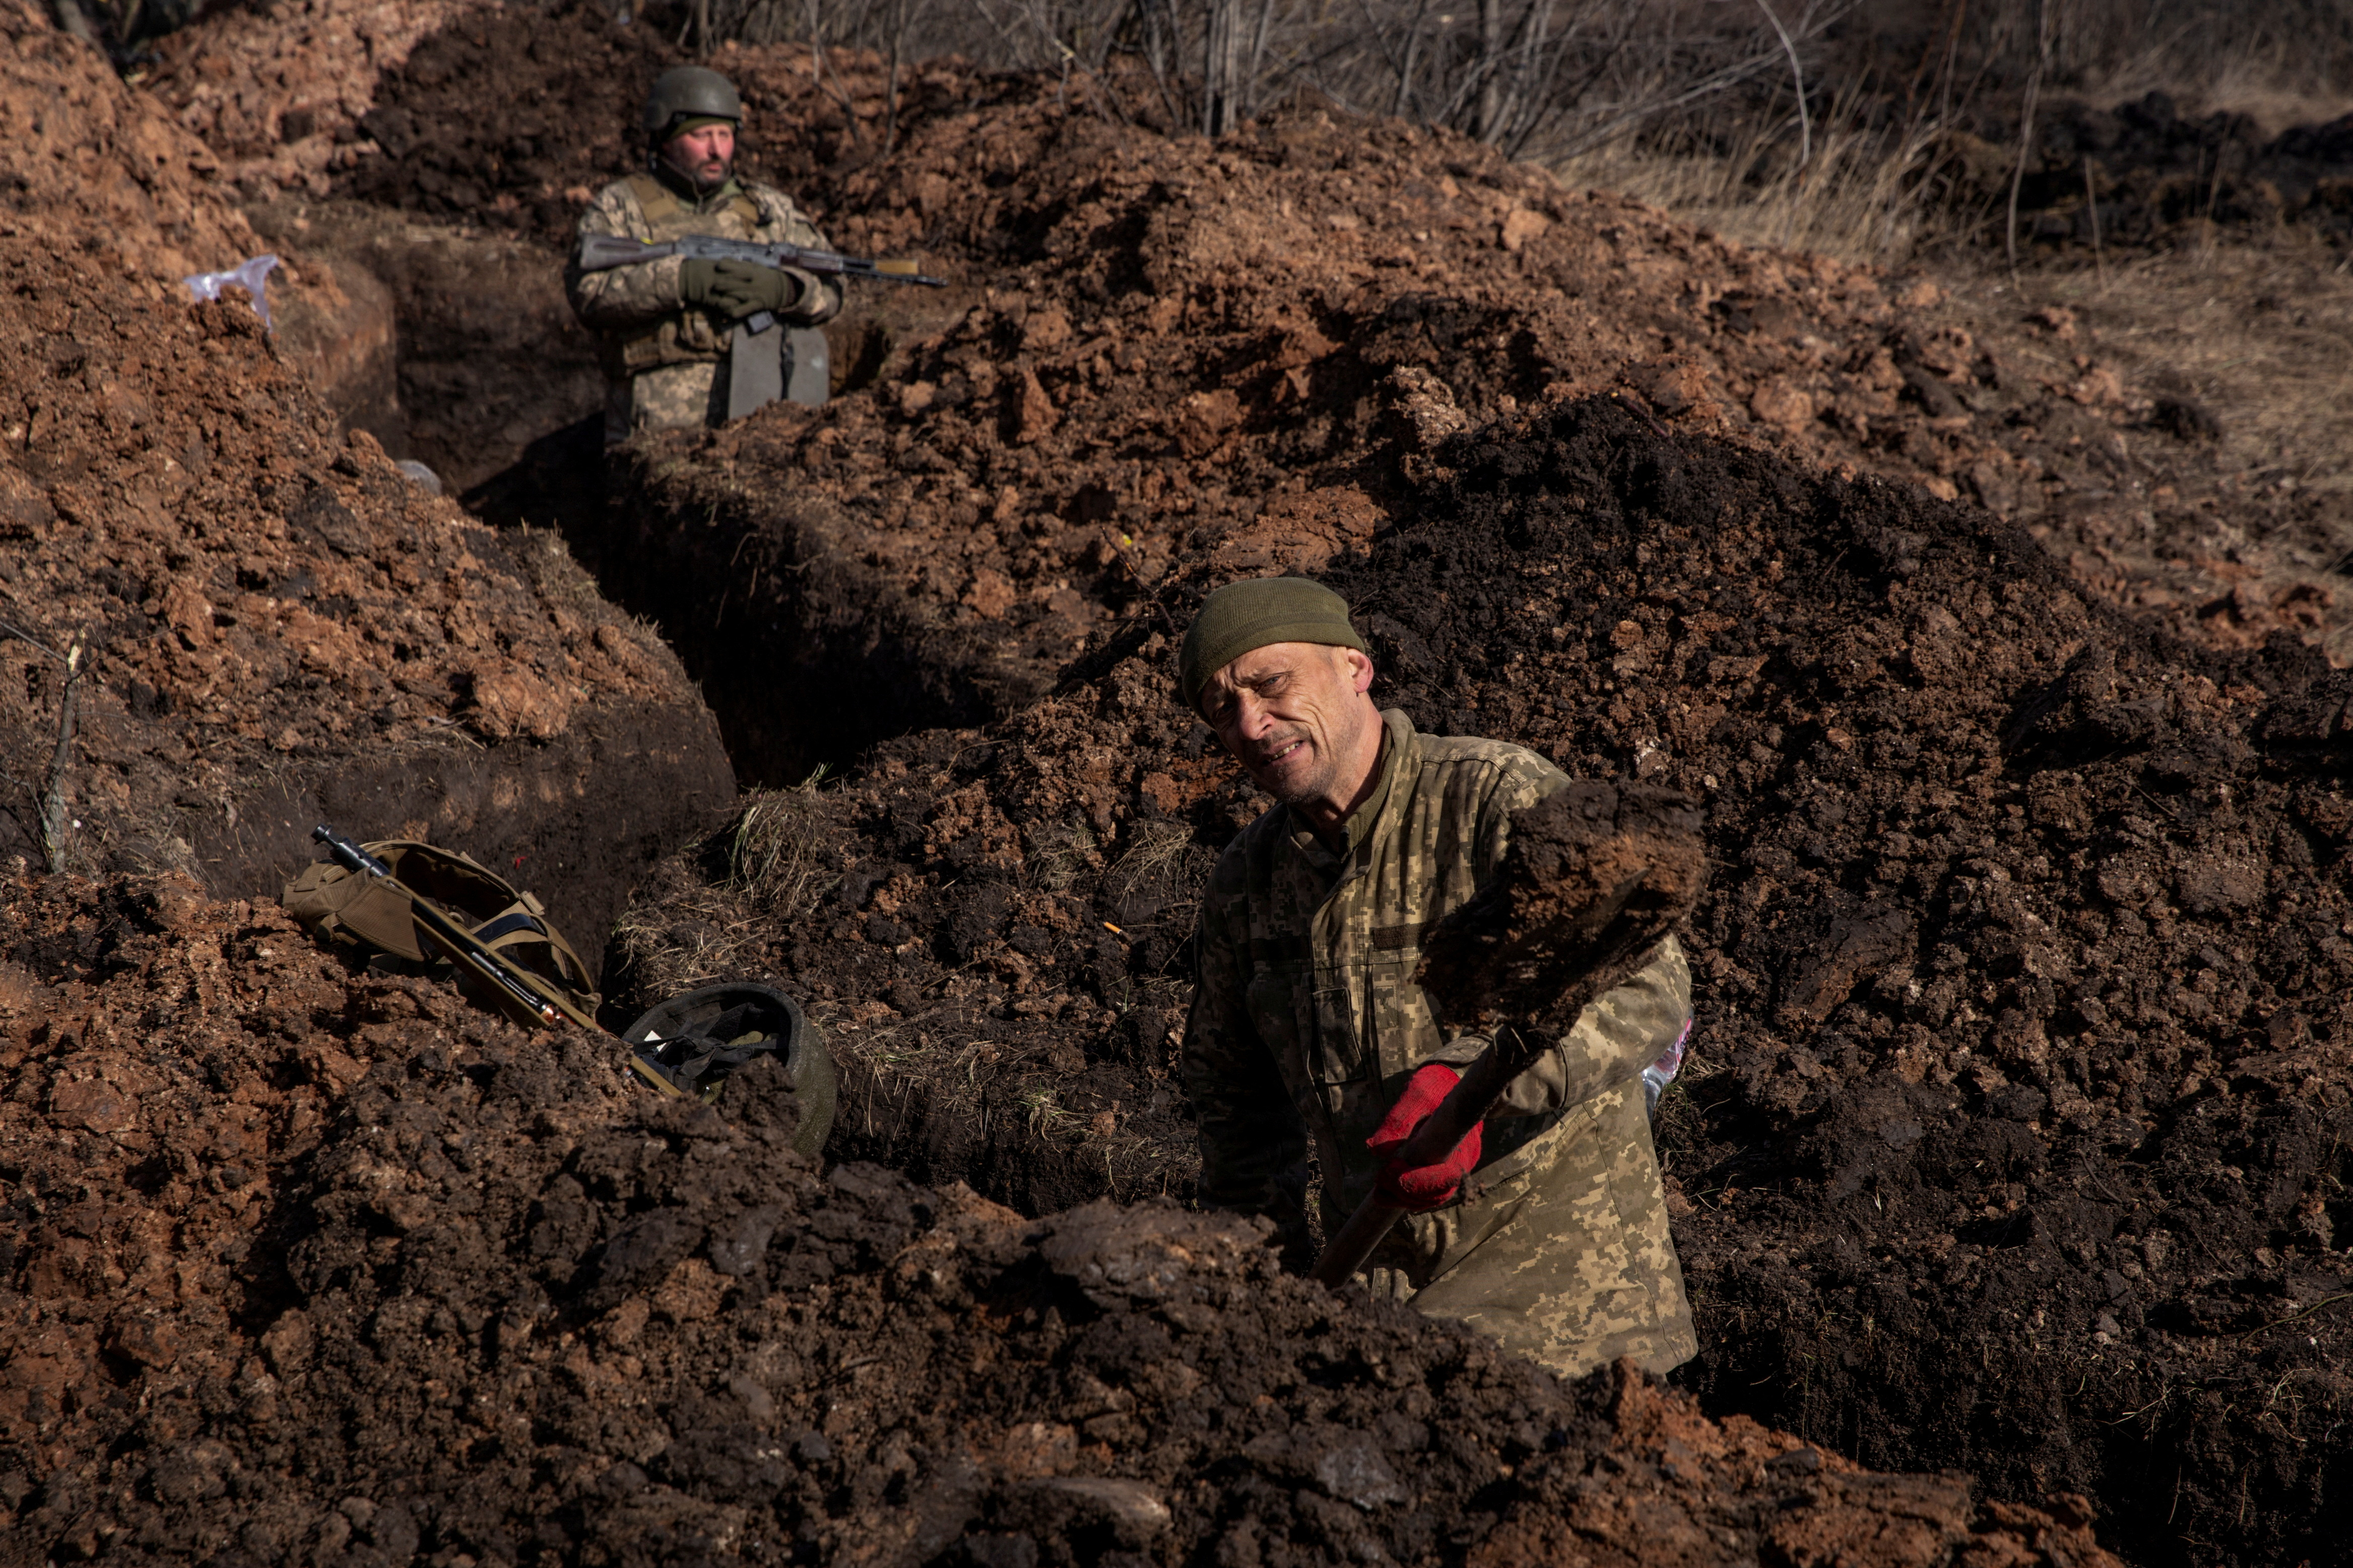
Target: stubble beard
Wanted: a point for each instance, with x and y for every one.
(1301, 790)
(692, 173)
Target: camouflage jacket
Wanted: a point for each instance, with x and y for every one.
(1307, 1018)
(639, 312)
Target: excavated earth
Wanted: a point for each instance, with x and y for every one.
(2013, 1136)
(280, 626)
(313, 1267)
(2013, 1140)
(1143, 331)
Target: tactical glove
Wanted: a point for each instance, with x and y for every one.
(739, 289)
(1418, 1189)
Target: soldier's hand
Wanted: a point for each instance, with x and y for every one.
(1418, 1189)
(739, 289)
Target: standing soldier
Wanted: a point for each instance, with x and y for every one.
(1306, 1020)
(667, 327)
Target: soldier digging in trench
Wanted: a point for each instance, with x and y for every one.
(665, 326)
(1306, 1020)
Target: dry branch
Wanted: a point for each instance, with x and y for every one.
(50, 819)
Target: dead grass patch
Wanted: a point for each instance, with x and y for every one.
(767, 868)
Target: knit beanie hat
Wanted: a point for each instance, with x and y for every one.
(1241, 618)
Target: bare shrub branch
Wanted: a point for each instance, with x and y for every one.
(51, 821)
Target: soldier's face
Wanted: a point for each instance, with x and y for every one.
(1295, 715)
(703, 154)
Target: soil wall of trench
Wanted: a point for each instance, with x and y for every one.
(307, 1264)
(1166, 363)
(2015, 1137)
(2013, 1140)
(2010, 1142)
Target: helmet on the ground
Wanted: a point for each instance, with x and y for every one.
(690, 1045)
(689, 92)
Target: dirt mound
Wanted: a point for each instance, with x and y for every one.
(434, 1288)
(2010, 1143)
(1257, 340)
(2159, 173)
(284, 627)
(1996, 1052)
(1987, 1046)
(278, 624)
(278, 90)
(1197, 305)
(89, 167)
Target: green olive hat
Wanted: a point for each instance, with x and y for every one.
(1241, 618)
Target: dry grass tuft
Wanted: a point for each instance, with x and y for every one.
(712, 931)
(1859, 197)
(1154, 861)
(1058, 854)
(772, 850)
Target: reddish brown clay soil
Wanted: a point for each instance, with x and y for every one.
(284, 627)
(1165, 335)
(2012, 1142)
(309, 1266)
(1240, 352)
(280, 626)
(86, 165)
(278, 90)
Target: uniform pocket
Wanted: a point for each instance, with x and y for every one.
(1399, 1030)
(1337, 1062)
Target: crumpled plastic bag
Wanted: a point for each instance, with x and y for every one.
(1661, 1073)
(250, 275)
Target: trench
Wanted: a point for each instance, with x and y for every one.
(456, 351)
(806, 663)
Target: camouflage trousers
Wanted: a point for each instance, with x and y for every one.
(668, 398)
(1570, 1265)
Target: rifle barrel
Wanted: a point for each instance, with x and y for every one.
(599, 252)
(515, 997)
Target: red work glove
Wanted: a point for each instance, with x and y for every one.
(1418, 1189)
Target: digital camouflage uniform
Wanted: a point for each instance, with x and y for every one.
(1307, 1018)
(663, 358)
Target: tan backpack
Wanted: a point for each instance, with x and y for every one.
(357, 913)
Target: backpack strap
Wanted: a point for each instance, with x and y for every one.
(522, 935)
(360, 913)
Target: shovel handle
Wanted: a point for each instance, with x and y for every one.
(1465, 1106)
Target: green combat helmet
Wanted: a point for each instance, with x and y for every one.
(688, 94)
(689, 1045)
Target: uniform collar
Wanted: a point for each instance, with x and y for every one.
(1375, 820)
(682, 187)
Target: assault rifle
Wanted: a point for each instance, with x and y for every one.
(511, 989)
(599, 252)
(697, 1045)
